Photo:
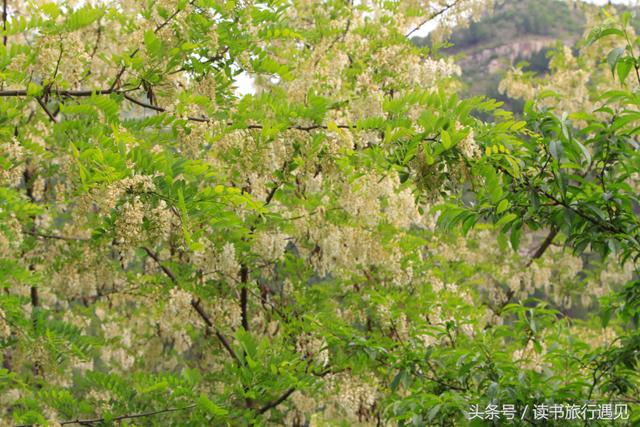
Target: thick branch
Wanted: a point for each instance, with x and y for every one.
(69, 93)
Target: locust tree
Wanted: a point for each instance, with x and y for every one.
(176, 253)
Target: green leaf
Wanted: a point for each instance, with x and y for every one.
(211, 408)
(599, 33)
(153, 44)
(585, 151)
(614, 56)
(556, 150)
(623, 68)
(446, 139)
(83, 17)
(34, 89)
(510, 217)
(502, 206)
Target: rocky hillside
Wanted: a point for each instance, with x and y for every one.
(511, 32)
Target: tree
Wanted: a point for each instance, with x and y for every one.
(175, 254)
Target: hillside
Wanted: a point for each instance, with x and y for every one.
(512, 31)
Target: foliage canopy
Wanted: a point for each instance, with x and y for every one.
(349, 245)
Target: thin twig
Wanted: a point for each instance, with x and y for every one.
(46, 110)
(432, 17)
(278, 401)
(55, 236)
(120, 418)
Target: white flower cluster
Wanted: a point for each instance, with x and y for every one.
(313, 347)
(13, 151)
(469, 147)
(128, 227)
(217, 264)
(5, 331)
(269, 246)
(355, 396)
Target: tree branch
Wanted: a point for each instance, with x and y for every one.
(120, 418)
(223, 340)
(46, 110)
(244, 298)
(195, 303)
(543, 247)
(4, 21)
(164, 269)
(55, 236)
(87, 92)
(278, 401)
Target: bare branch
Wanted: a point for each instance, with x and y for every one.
(244, 297)
(195, 303)
(63, 93)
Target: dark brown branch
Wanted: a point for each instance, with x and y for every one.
(543, 247)
(67, 93)
(195, 303)
(276, 185)
(278, 401)
(98, 38)
(4, 21)
(244, 299)
(204, 119)
(46, 110)
(55, 71)
(339, 37)
(164, 269)
(223, 340)
(119, 418)
(215, 58)
(603, 225)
